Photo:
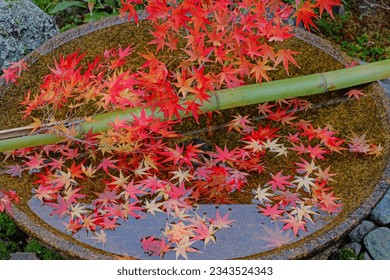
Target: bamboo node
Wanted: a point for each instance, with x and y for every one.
(324, 84)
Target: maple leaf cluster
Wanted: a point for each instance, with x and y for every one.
(214, 45)
(145, 169)
(183, 231)
(73, 88)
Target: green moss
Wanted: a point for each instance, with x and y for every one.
(365, 37)
(12, 240)
(348, 254)
(11, 237)
(8, 229)
(43, 252)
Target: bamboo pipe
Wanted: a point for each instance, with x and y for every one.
(223, 99)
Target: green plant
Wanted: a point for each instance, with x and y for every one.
(7, 248)
(348, 254)
(11, 238)
(45, 5)
(75, 13)
(43, 252)
(8, 229)
(356, 36)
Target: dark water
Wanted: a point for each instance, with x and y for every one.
(250, 233)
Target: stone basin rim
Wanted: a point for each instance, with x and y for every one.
(309, 249)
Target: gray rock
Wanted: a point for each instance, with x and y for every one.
(381, 212)
(23, 28)
(358, 233)
(23, 256)
(366, 256)
(377, 243)
(354, 247)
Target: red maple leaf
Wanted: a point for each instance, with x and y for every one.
(10, 75)
(14, 170)
(260, 70)
(61, 207)
(223, 155)
(73, 225)
(154, 246)
(279, 181)
(175, 155)
(199, 53)
(133, 190)
(294, 223)
(222, 222)
(35, 163)
(285, 56)
(6, 199)
(272, 211)
(107, 163)
(281, 115)
(240, 123)
(76, 171)
(293, 138)
(45, 193)
(327, 5)
(168, 103)
(328, 202)
(280, 32)
(305, 14)
(194, 108)
(179, 191)
(316, 152)
(128, 7)
(287, 197)
(56, 163)
(229, 76)
(204, 232)
(263, 133)
(355, 93)
(89, 222)
(73, 195)
(20, 66)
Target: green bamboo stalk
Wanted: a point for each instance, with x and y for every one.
(230, 98)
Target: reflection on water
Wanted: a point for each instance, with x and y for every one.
(250, 233)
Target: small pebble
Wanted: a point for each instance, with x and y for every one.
(355, 247)
(381, 213)
(366, 256)
(23, 256)
(358, 233)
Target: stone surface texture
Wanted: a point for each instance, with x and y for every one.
(23, 256)
(381, 213)
(358, 233)
(377, 243)
(23, 28)
(355, 247)
(373, 234)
